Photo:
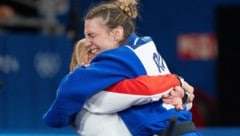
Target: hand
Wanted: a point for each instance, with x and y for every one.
(174, 97)
(189, 90)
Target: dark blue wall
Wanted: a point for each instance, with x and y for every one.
(31, 67)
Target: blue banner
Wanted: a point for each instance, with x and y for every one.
(31, 67)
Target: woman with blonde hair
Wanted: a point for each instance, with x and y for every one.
(121, 54)
(82, 57)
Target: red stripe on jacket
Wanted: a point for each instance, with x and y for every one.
(146, 85)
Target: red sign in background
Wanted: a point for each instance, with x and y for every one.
(196, 46)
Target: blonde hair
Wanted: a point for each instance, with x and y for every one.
(79, 55)
(116, 13)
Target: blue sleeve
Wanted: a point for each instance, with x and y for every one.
(105, 70)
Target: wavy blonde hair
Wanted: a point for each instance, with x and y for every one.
(79, 55)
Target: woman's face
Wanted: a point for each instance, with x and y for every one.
(98, 36)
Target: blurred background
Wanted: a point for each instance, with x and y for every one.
(198, 38)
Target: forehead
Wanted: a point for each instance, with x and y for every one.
(94, 25)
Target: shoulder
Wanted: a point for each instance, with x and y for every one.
(141, 41)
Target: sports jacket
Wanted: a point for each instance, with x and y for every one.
(137, 57)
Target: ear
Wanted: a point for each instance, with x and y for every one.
(118, 33)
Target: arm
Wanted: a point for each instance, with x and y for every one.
(76, 87)
(146, 85)
(129, 92)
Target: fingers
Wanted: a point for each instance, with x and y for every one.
(191, 97)
(178, 91)
(166, 95)
(175, 101)
(179, 107)
(167, 100)
(189, 90)
(174, 98)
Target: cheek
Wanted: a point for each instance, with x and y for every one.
(105, 42)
